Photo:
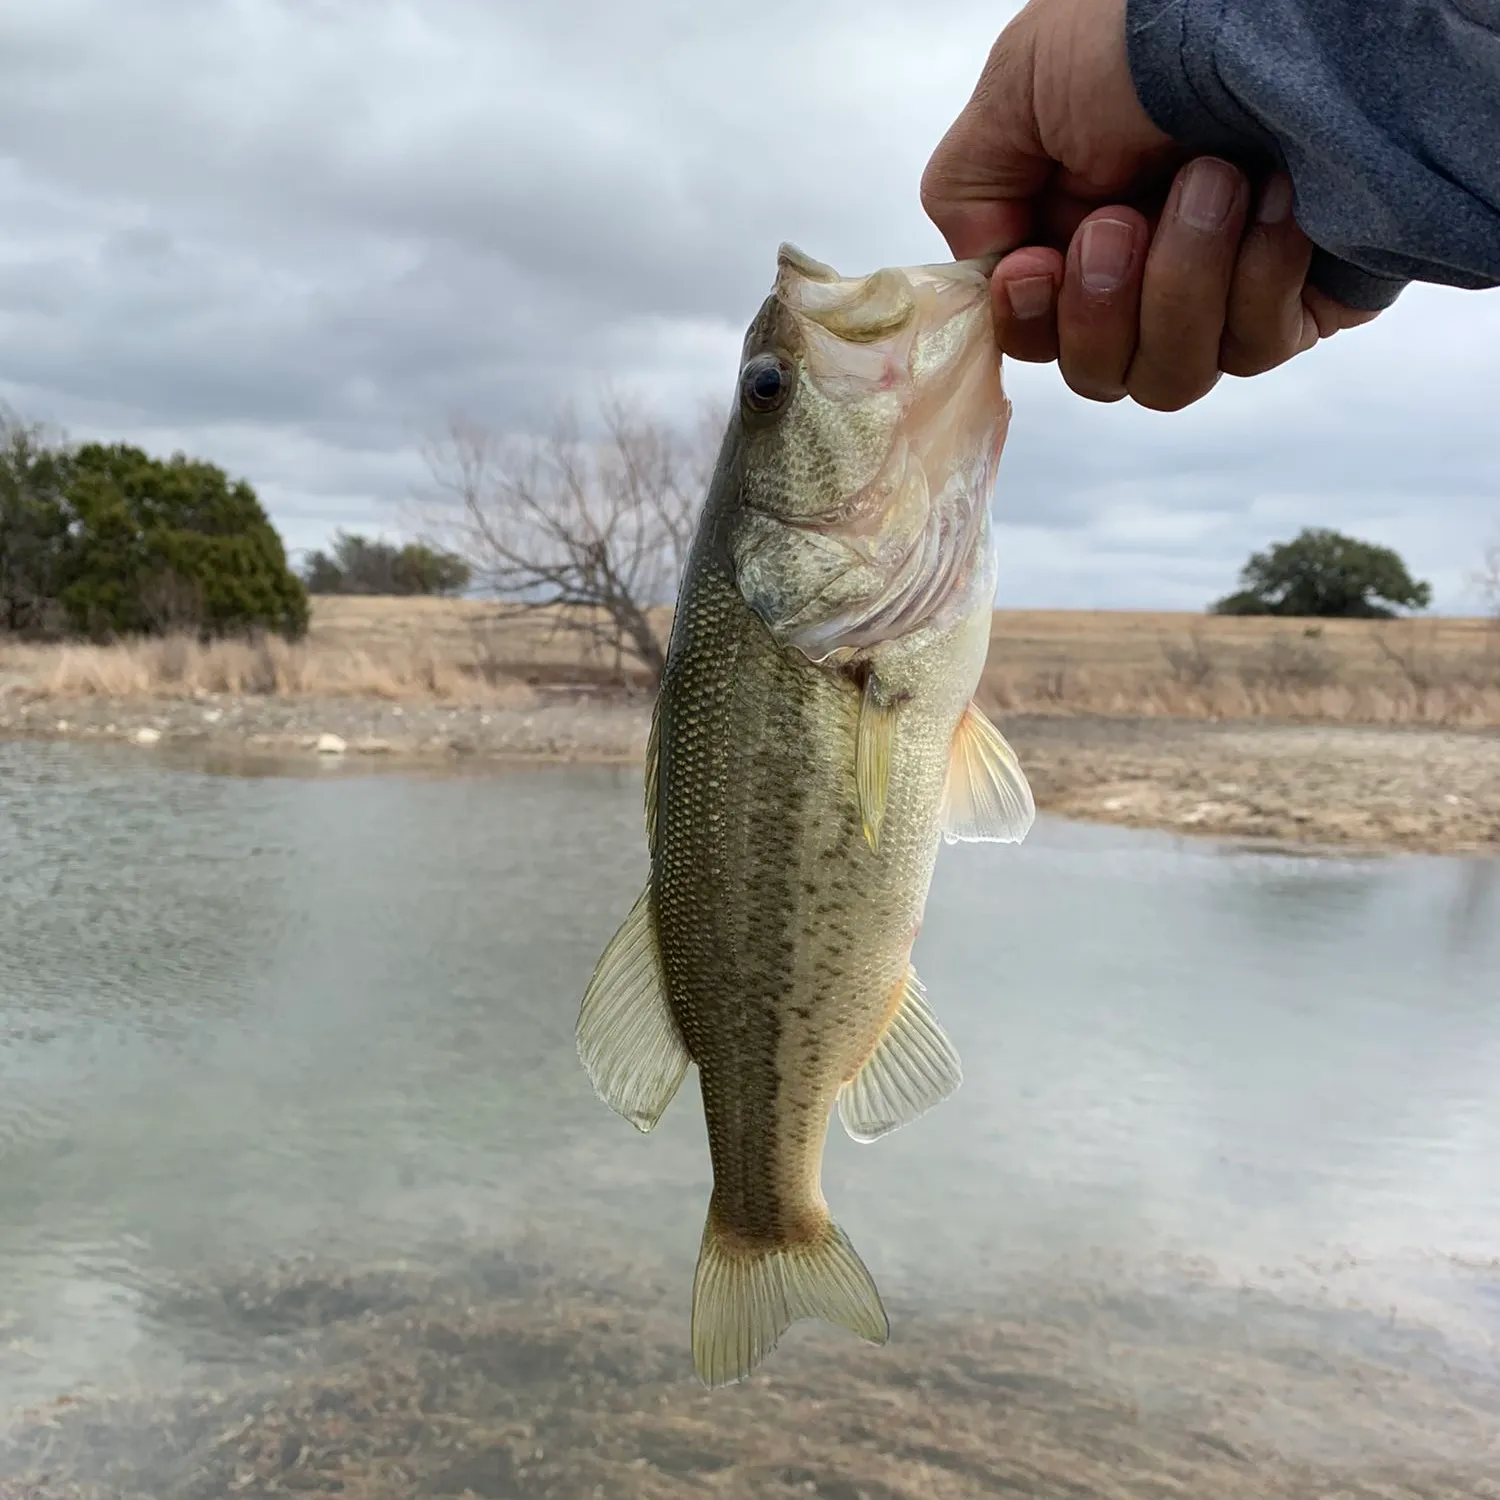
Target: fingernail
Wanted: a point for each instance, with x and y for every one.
(1207, 194)
(1275, 200)
(1030, 297)
(1105, 254)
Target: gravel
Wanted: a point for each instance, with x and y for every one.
(1344, 787)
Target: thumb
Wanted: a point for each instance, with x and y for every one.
(981, 185)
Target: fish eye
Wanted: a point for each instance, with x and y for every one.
(765, 383)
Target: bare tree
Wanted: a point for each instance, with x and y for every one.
(1487, 582)
(594, 531)
(1487, 579)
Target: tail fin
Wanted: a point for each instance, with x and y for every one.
(744, 1298)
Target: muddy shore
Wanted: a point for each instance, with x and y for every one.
(1346, 787)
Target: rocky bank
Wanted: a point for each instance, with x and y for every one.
(1418, 790)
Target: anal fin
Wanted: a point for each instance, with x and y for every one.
(987, 797)
(627, 1038)
(913, 1067)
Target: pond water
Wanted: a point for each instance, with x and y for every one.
(244, 1018)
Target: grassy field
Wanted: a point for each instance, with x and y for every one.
(1435, 672)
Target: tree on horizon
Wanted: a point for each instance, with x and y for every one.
(1322, 573)
(356, 564)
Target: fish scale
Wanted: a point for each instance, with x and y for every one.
(814, 739)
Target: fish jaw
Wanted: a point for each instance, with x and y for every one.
(865, 495)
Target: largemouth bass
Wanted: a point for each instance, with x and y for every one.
(814, 740)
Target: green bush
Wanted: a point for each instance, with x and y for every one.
(33, 526)
(157, 545)
(104, 540)
(358, 565)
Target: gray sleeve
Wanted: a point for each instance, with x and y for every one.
(1385, 112)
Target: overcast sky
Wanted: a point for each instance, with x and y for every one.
(292, 236)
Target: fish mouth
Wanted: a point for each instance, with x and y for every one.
(795, 267)
(921, 337)
(909, 543)
(883, 310)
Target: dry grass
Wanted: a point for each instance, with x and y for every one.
(1435, 672)
(438, 650)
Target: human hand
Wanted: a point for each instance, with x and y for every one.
(1174, 281)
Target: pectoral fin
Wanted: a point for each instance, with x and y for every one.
(872, 758)
(987, 797)
(627, 1038)
(913, 1067)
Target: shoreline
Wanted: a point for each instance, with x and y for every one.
(1332, 788)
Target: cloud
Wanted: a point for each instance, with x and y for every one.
(294, 235)
(1383, 431)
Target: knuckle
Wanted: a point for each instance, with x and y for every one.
(1169, 395)
(1032, 351)
(934, 186)
(1008, 67)
(1256, 340)
(1243, 360)
(1161, 401)
(1092, 389)
(1330, 316)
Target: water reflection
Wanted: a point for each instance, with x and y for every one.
(1476, 906)
(250, 1018)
